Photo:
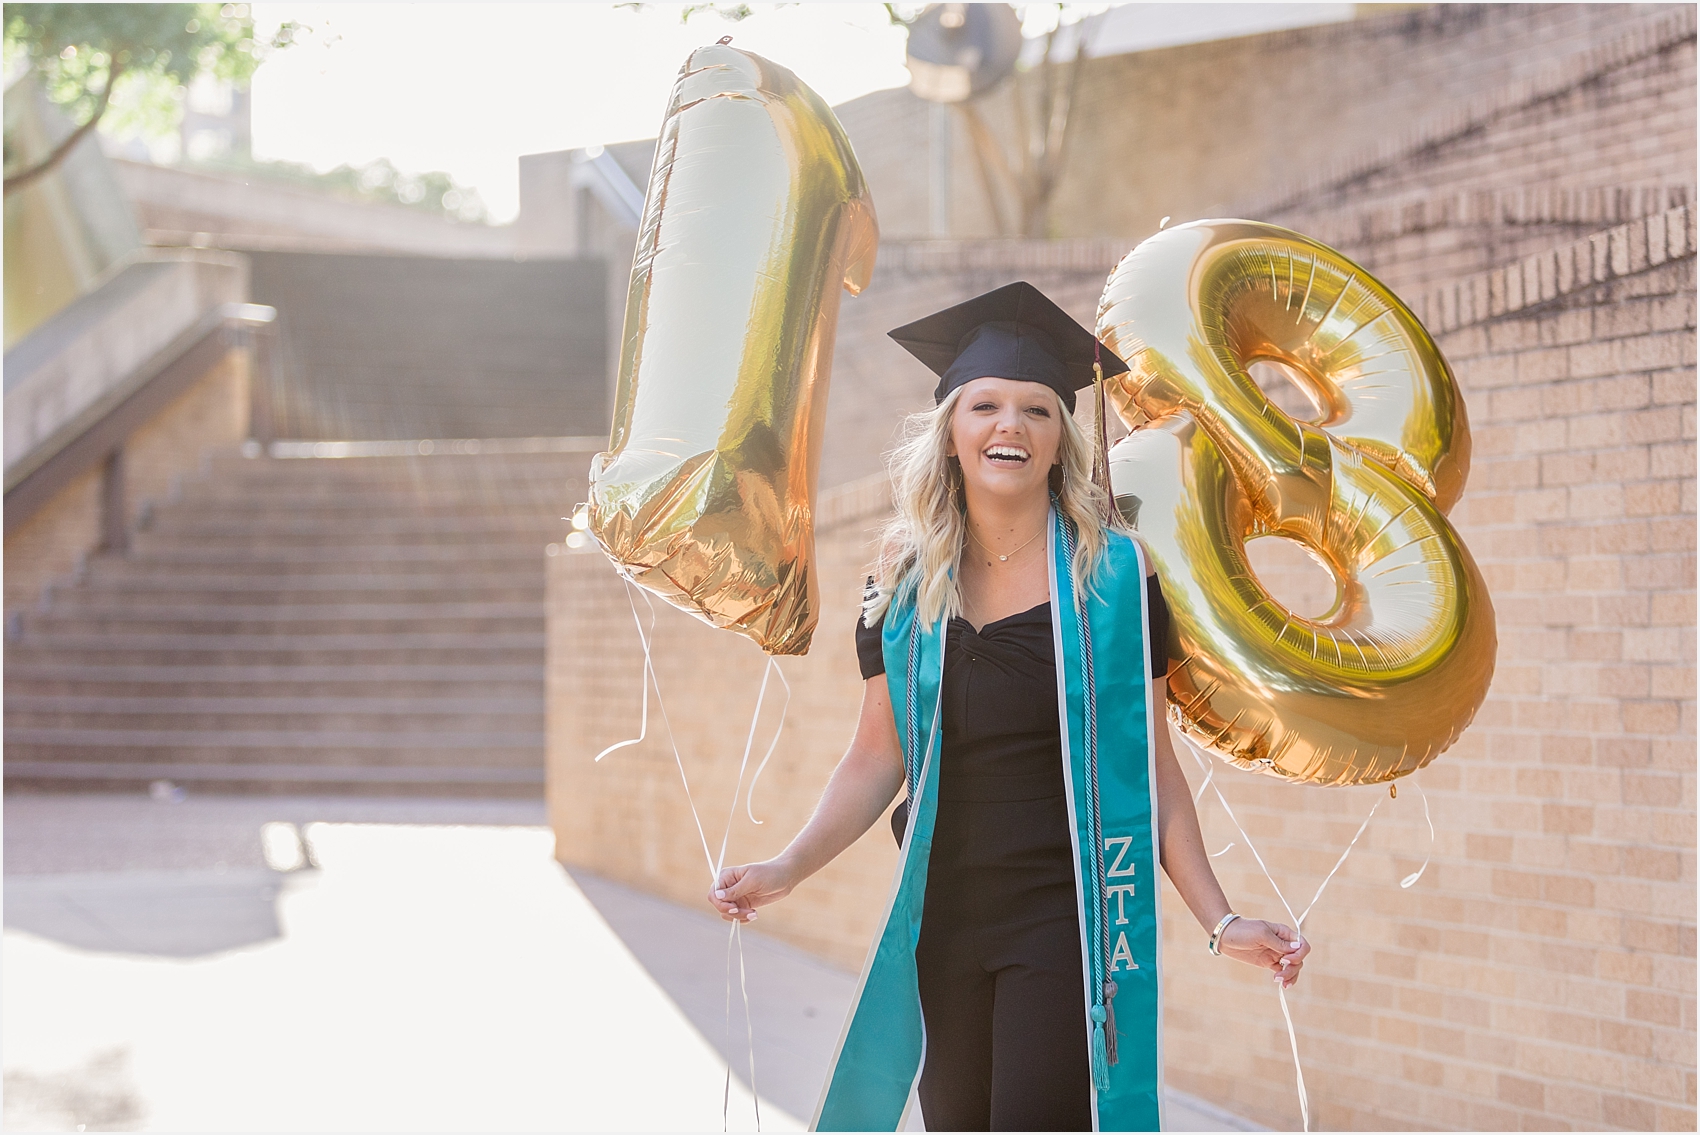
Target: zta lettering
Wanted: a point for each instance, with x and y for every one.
(1121, 844)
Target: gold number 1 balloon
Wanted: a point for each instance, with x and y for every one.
(1379, 686)
(757, 214)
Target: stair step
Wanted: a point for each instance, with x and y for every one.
(69, 703)
(345, 508)
(366, 618)
(370, 545)
(393, 558)
(367, 623)
(127, 575)
(22, 740)
(498, 682)
(374, 657)
(239, 592)
(272, 776)
(23, 670)
(374, 528)
(320, 722)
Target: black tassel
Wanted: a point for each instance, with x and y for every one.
(1101, 437)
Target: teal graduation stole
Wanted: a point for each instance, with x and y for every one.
(1109, 713)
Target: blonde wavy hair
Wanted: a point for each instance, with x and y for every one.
(921, 545)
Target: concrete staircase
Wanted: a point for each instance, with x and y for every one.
(352, 623)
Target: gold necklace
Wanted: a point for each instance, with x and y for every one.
(989, 552)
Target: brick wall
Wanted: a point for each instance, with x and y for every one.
(212, 412)
(1540, 972)
(49, 545)
(1540, 975)
(626, 817)
(1528, 94)
(1417, 240)
(1604, 136)
(1615, 108)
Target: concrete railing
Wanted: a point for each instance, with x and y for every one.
(193, 207)
(79, 386)
(84, 353)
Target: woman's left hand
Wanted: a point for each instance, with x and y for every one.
(1267, 945)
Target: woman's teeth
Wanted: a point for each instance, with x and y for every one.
(1007, 453)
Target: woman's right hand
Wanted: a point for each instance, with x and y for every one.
(741, 889)
(861, 788)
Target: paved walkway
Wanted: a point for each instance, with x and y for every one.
(255, 963)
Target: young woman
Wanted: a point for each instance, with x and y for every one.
(1013, 648)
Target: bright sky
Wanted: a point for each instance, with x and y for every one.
(468, 88)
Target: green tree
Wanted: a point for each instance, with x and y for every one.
(80, 52)
(376, 182)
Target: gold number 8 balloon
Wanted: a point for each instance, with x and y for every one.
(756, 214)
(1379, 686)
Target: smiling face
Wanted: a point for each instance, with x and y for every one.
(1006, 435)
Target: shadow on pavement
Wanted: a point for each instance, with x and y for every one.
(175, 914)
(96, 1095)
(797, 1003)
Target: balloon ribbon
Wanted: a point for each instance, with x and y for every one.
(1209, 770)
(735, 939)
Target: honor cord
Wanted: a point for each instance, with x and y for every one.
(1103, 1054)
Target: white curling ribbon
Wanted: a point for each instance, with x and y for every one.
(736, 937)
(1209, 773)
(643, 675)
(1209, 769)
(714, 867)
(750, 793)
(1409, 880)
(672, 741)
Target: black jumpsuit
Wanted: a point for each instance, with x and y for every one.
(999, 955)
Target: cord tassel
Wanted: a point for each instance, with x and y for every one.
(1101, 433)
(1100, 1059)
(1110, 992)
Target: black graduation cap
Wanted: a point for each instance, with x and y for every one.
(1013, 332)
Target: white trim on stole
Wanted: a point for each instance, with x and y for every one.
(1068, 789)
(1153, 722)
(879, 934)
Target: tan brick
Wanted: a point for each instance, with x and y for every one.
(1564, 815)
(1588, 360)
(1652, 498)
(1652, 716)
(1517, 1091)
(1547, 365)
(1662, 937)
(1658, 1081)
(1655, 1008)
(1661, 424)
(1674, 1119)
(1626, 969)
(1674, 386)
(1627, 1112)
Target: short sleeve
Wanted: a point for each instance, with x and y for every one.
(1158, 631)
(870, 651)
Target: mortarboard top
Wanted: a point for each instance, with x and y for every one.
(1014, 332)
